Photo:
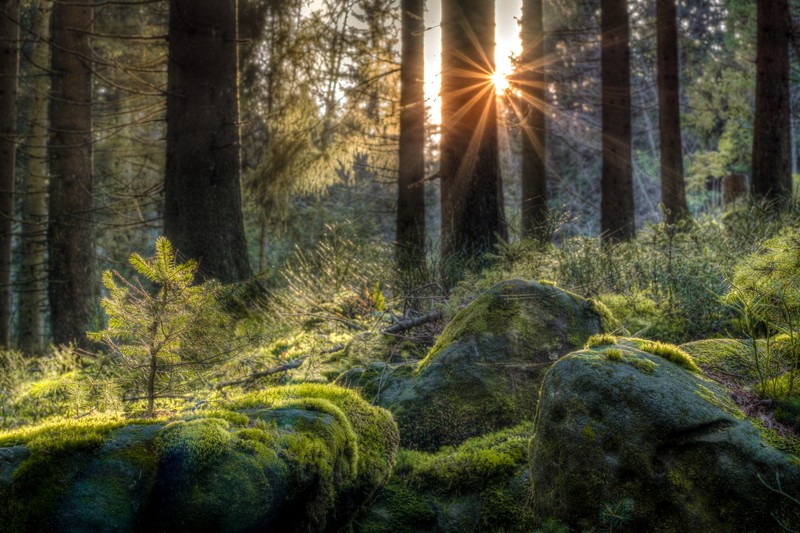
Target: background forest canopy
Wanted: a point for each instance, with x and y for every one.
(359, 162)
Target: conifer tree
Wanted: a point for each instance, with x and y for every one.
(70, 241)
(616, 209)
(673, 190)
(411, 193)
(472, 199)
(9, 74)
(203, 205)
(166, 337)
(534, 167)
(772, 168)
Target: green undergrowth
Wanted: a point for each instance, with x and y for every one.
(481, 485)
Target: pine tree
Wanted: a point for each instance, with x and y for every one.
(168, 336)
(673, 190)
(411, 193)
(9, 74)
(772, 167)
(203, 205)
(472, 199)
(70, 241)
(616, 210)
(534, 168)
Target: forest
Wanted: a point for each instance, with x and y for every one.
(400, 266)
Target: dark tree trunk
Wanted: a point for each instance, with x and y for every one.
(69, 236)
(673, 190)
(534, 170)
(9, 74)
(411, 192)
(772, 166)
(203, 204)
(616, 209)
(472, 199)
(32, 275)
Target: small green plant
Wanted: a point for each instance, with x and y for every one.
(614, 354)
(166, 332)
(766, 292)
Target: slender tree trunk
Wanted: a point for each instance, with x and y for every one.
(70, 240)
(32, 275)
(673, 189)
(411, 192)
(616, 209)
(534, 169)
(472, 194)
(771, 174)
(203, 204)
(9, 76)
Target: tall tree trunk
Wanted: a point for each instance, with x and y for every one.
(472, 194)
(771, 175)
(411, 193)
(9, 75)
(673, 189)
(203, 204)
(534, 169)
(32, 274)
(69, 236)
(616, 209)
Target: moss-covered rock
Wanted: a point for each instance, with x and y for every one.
(296, 458)
(480, 486)
(483, 373)
(631, 440)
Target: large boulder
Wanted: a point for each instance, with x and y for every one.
(297, 458)
(483, 373)
(632, 436)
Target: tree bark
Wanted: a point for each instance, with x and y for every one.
(203, 204)
(9, 76)
(70, 240)
(32, 276)
(616, 209)
(535, 212)
(771, 178)
(673, 189)
(411, 192)
(471, 188)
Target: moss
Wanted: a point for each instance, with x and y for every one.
(671, 353)
(614, 354)
(601, 339)
(198, 442)
(722, 402)
(588, 432)
(609, 321)
(645, 366)
(788, 444)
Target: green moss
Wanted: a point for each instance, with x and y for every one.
(724, 403)
(786, 444)
(645, 366)
(198, 442)
(588, 432)
(671, 353)
(614, 354)
(601, 339)
(610, 323)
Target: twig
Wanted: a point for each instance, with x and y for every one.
(406, 325)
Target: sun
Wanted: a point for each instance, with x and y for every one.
(500, 82)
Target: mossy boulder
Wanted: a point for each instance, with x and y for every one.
(630, 440)
(482, 485)
(483, 373)
(296, 458)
